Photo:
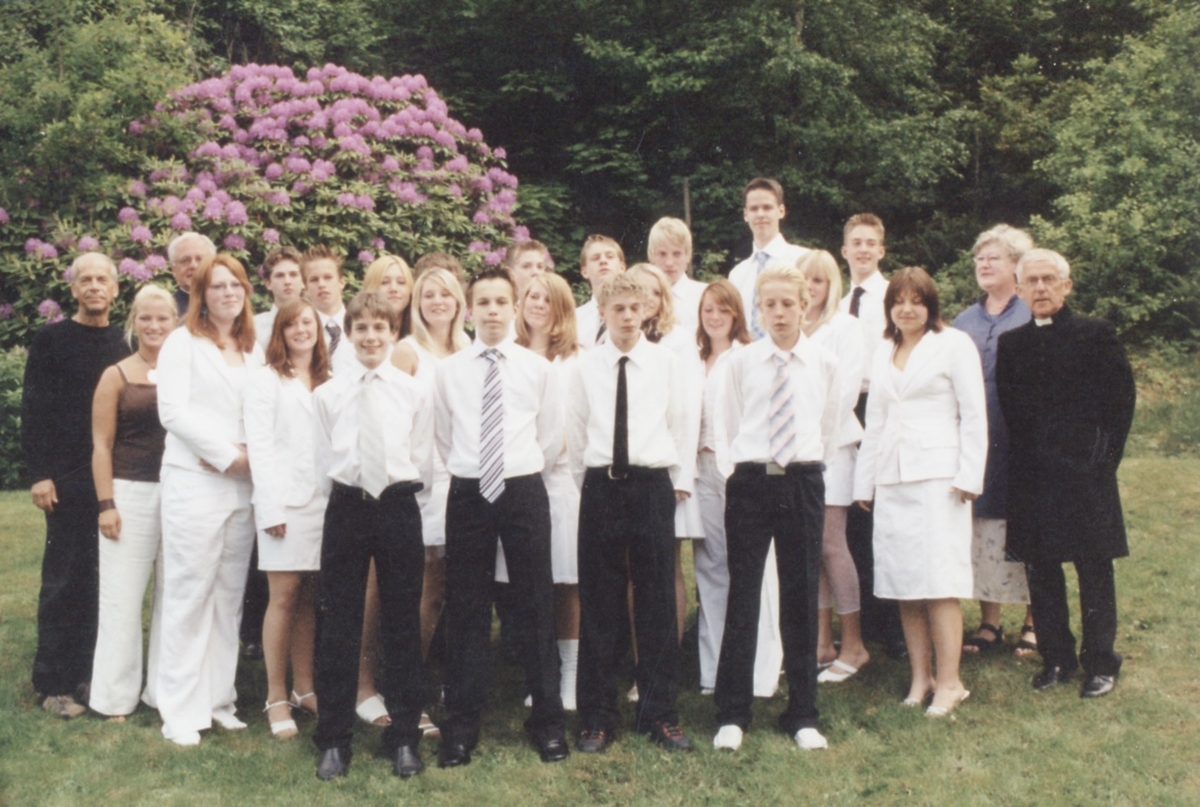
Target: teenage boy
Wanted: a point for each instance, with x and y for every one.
(627, 423)
(498, 424)
(670, 249)
(600, 259)
(863, 248)
(374, 446)
(763, 211)
(779, 410)
(325, 283)
(285, 281)
(525, 260)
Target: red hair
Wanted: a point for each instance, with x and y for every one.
(197, 321)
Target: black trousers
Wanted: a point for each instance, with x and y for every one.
(254, 604)
(791, 509)
(357, 529)
(627, 531)
(69, 600)
(1051, 615)
(880, 618)
(520, 519)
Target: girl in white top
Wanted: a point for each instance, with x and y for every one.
(391, 276)
(289, 502)
(922, 462)
(841, 335)
(208, 524)
(437, 331)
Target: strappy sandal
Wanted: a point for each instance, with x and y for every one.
(282, 729)
(297, 702)
(981, 644)
(1025, 647)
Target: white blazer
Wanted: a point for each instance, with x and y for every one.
(280, 426)
(931, 422)
(842, 336)
(200, 400)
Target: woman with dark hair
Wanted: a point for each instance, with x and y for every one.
(289, 504)
(922, 463)
(208, 526)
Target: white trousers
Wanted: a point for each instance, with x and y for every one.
(125, 568)
(712, 583)
(208, 532)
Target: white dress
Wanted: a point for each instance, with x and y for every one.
(433, 507)
(842, 336)
(926, 433)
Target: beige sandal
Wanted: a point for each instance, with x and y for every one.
(282, 729)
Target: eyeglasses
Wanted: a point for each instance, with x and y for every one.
(221, 288)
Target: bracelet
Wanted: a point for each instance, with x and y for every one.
(107, 504)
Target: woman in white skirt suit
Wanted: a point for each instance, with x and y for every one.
(208, 526)
(842, 335)
(922, 462)
(289, 502)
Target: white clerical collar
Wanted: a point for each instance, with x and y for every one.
(1043, 321)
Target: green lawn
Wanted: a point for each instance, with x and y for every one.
(1005, 746)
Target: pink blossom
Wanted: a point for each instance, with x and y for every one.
(234, 241)
(270, 235)
(342, 130)
(273, 171)
(235, 214)
(345, 199)
(444, 138)
(300, 188)
(364, 202)
(210, 149)
(155, 264)
(228, 123)
(366, 256)
(181, 221)
(49, 309)
(68, 274)
(194, 195)
(474, 135)
(206, 183)
(478, 246)
(495, 258)
(481, 217)
(6, 311)
(3, 216)
(454, 190)
(298, 165)
(500, 154)
(278, 198)
(47, 252)
(135, 127)
(377, 243)
(213, 209)
(520, 233)
(389, 164)
(141, 234)
(128, 266)
(127, 215)
(137, 188)
(300, 140)
(459, 164)
(88, 244)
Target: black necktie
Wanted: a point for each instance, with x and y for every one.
(335, 335)
(620, 453)
(600, 331)
(855, 296)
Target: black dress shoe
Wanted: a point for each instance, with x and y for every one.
(553, 747)
(333, 762)
(896, 649)
(1050, 676)
(670, 736)
(408, 762)
(593, 741)
(1097, 686)
(453, 754)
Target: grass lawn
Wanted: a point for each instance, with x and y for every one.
(1005, 746)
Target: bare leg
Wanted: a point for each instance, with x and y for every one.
(838, 568)
(277, 639)
(1025, 652)
(989, 612)
(303, 636)
(826, 652)
(914, 618)
(945, 620)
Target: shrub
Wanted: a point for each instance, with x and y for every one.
(12, 372)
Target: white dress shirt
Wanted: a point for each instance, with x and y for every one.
(745, 275)
(687, 293)
(263, 323)
(873, 319)
(342, 361)
(746, 399)
(842, 336)
(406, 406)
(657, 417)
(533, 427)
(587, 323)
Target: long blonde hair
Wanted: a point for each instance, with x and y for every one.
(663, 322)
(373, 281)
(564, 341)
(420, 328)
(145, 294)
(819, 263)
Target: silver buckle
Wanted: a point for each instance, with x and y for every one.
(620, 478)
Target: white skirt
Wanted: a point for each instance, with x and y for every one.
(299, 550)
(922, 542)
(839, 477)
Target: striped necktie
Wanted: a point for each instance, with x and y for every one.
(756, 329)
(372, 451)
(335, 335)
(782, 421)
(491, 433)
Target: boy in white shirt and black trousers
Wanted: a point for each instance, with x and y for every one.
(779, 414)
(498, 425)
(627, 424)
(374, 447)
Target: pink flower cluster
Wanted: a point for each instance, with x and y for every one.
(38, 248)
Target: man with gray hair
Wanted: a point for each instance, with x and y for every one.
(65, 362)
(186, 252)
(1067, 393)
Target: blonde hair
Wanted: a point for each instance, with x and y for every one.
(669, 231)
(664, 321)
(564, 341)
(780, 272)
(819, 263)
(1013, 241)
(146, 294)
(373, 280)
(617, 285)
(420, 328)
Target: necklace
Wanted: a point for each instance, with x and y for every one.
(152, 369)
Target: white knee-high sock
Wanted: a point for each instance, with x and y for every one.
(568, 653)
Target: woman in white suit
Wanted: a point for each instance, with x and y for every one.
(208, 526)
(922, 461)
(289, 503)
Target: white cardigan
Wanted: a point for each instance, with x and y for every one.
(932, 424)
(280, 426)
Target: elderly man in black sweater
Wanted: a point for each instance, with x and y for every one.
(65, 362)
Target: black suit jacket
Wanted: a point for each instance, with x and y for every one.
(1067, 393)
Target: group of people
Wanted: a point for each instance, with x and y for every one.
(821, 450)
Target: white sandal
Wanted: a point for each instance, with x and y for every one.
(373, 710)
(297, 702)
(282, 729)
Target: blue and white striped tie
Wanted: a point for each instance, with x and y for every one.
(781, 415)
(756, 328)
(491, 436)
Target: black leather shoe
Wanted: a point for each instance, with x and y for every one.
(453, 754)
(333, 762)
(1050, 676)
(670, 736)
(896, 649)
(553, 748)
(1097, 686)
(408, 762)
(593, 741)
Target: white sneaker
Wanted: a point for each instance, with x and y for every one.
(186, 739)
(810, 740)
(632, 696)
(528, 701)
(729, 738)
(707, 690)
(228, 721)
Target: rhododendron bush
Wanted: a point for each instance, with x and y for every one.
(260, 157)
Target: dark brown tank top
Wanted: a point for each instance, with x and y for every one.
(138, 447)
